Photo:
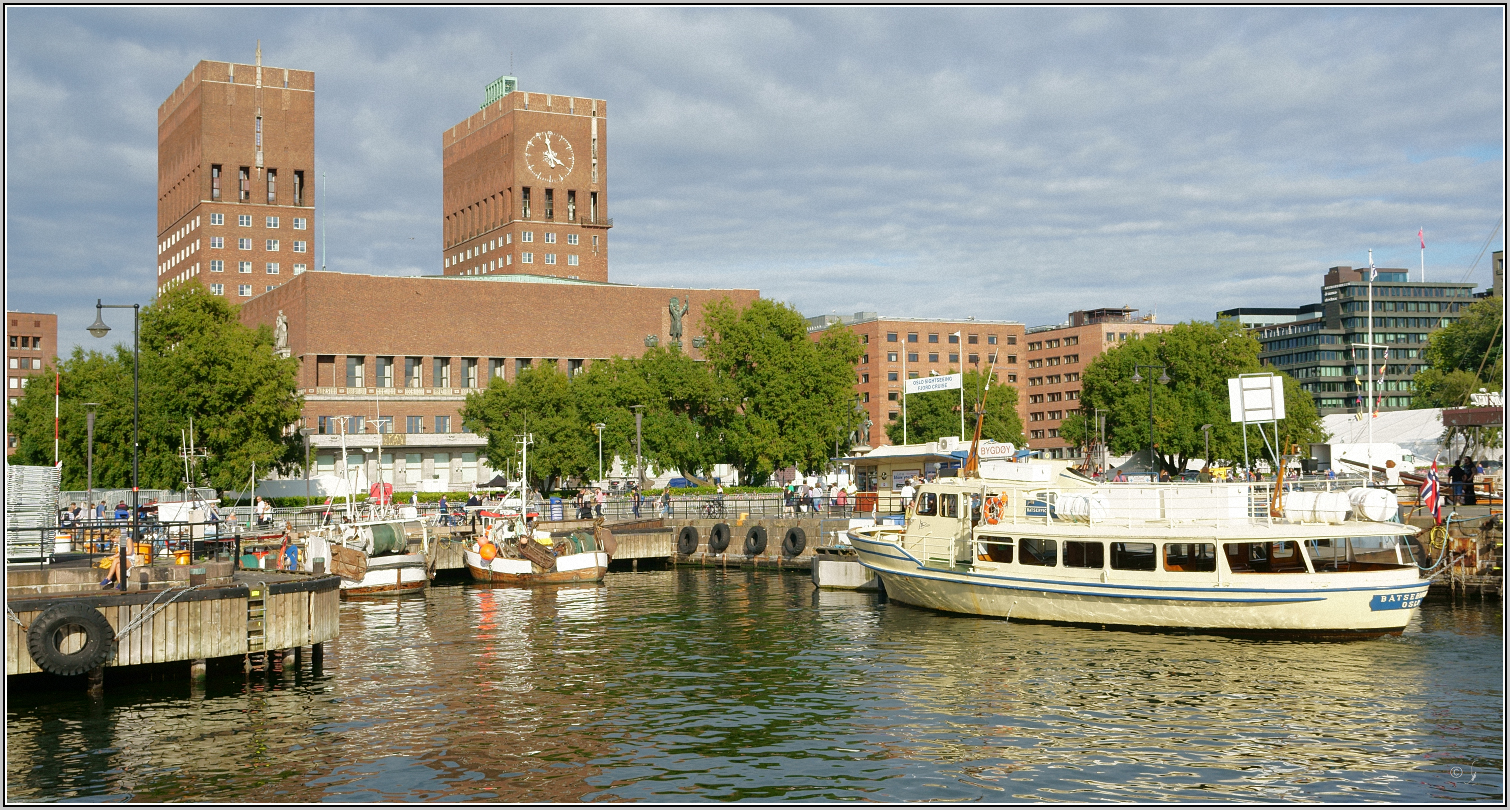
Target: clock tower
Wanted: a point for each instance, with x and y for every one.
(525, 187)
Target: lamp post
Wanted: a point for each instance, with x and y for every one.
(1163, 380)
(639, 463)
(1100, 439)
(599, 428)
(89, 463)
(305, 432)
(1206, 429)
(99, 329)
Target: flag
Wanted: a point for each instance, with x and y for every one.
(1431, 494)
(1421, 234)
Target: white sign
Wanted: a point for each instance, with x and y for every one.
(1256, 399)
(1493, 399)
(899, 477)
(947, 382)
(995, 450)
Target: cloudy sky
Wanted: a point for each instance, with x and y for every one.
(997, 163)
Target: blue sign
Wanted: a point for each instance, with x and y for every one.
(1395, 601)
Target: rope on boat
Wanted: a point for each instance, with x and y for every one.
(153, 609)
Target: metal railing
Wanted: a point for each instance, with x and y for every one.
(88, 542)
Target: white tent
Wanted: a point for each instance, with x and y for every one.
(1417, 434)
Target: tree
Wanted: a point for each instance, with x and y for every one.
(198, 361)
(1464, 357)
(542, 403)
(937, 413)
(793, 396)
(1199, 358)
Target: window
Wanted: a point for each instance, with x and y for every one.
(244, 186)
(272, 245)
(891, 357)
(1084, 554)
(912, 357)
(300, 268)
(1011, 358)
(912, 337)
(996, 549)
(244, 290)
(933, 338)
(912, 375)
(354, 371)
(440, 374)
(1134, 556)
(244, 244)
(272, 189)
(972, 339)
(298, 247)
(975, 358)
(495, 369)
(259, 133)
(217, 242)
(1039, 552)
(526, 258)
(592, 201)
(1012, 340)
(550, 258)
(414, 424)
(954, 357)
(572, 239)
(272, 268)
(1196, 557)
(865, 397)
(270, 288)
(571, 207)
(954, 338)
(550, 238)
(243, 267)
(991, 339)
(927, 504)
(891, 337)
(217, 219)
(469, 372)
(892, 396)
(298, 188)
(524, 204)
(299, 223)
(948, 505)
(217, 266)
(527, 236)
(864, 378)
(933, 357)
(272, 222)
(891, 376)
(442, 424)
(571, 261)
(214, 188)
(412, 368)
(550, 203)
(217, 289)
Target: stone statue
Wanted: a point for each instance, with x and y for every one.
(280, 335)
(678, 308)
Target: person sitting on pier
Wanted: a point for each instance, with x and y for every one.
(113, 576)
(288, 553)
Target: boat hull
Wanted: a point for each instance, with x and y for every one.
(1308, 605)
(393, 575)
(586, 567)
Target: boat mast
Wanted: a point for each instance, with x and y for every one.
(972, 463)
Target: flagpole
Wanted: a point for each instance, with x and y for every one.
(904, 392)
(1422, 234)
(1370, 351)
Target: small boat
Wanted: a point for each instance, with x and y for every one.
(512, 552)
(1037, 541)
(374, 558)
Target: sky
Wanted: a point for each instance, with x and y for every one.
(997, 163)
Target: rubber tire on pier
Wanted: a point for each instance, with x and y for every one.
(794, 541)
(686, 540)
(755, 541)
(718, 538)
(42, 639)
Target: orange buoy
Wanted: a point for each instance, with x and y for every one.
(488, 551)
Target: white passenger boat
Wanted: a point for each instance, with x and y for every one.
(1037, 541)
(374, 558)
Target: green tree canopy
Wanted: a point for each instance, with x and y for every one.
(197, 361)
(541, 402)
(937, 413)
(1199, 358)
(1464, 357)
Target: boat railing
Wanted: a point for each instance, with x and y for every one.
(1215, 504)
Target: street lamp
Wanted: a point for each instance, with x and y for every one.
(599, 428)
(89, 464)
(99, 329)
(305, 432)
(1206, 429)
(1163, 380)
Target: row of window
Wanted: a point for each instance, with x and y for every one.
(933, 357)
(1040, 362)
(892, 376)
(1402, 306)
(476, 218)
(1049, 416)
(28, 363)
(413, 469)
(440, 371)
(243, 290)
(271, 268)
(1055, 379)
(26, 341)
(1361, 291)
(1054, 343)
(1053, 396)
(217, 242)
(244, 179)
(357, 424)
(933, 337)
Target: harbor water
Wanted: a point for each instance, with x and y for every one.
(698, 685)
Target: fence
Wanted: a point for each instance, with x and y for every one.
(91, 542)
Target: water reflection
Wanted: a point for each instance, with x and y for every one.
(696, 684)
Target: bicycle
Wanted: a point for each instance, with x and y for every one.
(713, 508)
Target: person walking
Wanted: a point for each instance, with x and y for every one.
(599, 498)
(445, 517)
(1470, 495)
(666, 502)
(635, 498)
(1455, 478)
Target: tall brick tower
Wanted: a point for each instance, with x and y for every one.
(525, 187)
(235, 179)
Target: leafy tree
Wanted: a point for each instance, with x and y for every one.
(936, 413)
(198, 361)
(794, 395)
(1464, 357)
(1199, 358)
(541, 402)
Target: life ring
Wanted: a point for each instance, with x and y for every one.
(793, 542)
(718, 538)
(47, 631)
(995, 508)
(755, 541)
(686, 540)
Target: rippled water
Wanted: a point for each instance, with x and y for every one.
(697, 684)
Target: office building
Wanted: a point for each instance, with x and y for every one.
(31, 345)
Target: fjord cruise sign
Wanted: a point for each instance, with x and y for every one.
(946, 382)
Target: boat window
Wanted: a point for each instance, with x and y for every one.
(1134, 556)
(1282, 557)
(1039, 552)
(928, 504)
(996, 549)
(1084, 554)
(974, 509)
(948, 505)
(1197, 557)
(1357, 554)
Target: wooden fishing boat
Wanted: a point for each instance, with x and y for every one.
(511, 552)
(374, 558)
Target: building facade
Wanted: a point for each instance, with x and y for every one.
(31, 345)
(399, 355)
(1327, 349)
(526, 187)
(1056, 356)
(235, 179)
(898, 349)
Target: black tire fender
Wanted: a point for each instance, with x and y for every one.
(794, 541)
(755, 541)
(718, 538)
(48, 630)
(686, 540)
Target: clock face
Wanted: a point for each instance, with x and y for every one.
(549, 156)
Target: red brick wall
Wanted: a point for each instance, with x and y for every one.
(40, 331)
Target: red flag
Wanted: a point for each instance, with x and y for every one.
(1421, 234)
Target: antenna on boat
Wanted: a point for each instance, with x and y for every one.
(972, 463)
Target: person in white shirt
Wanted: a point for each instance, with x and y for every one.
(907, 493)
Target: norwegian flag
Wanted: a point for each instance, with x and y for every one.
(1431, 493)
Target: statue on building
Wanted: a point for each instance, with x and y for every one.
(280, 335)
(678, 308)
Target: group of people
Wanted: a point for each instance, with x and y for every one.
(806, 495)
(1461, 478)
(588, 500)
